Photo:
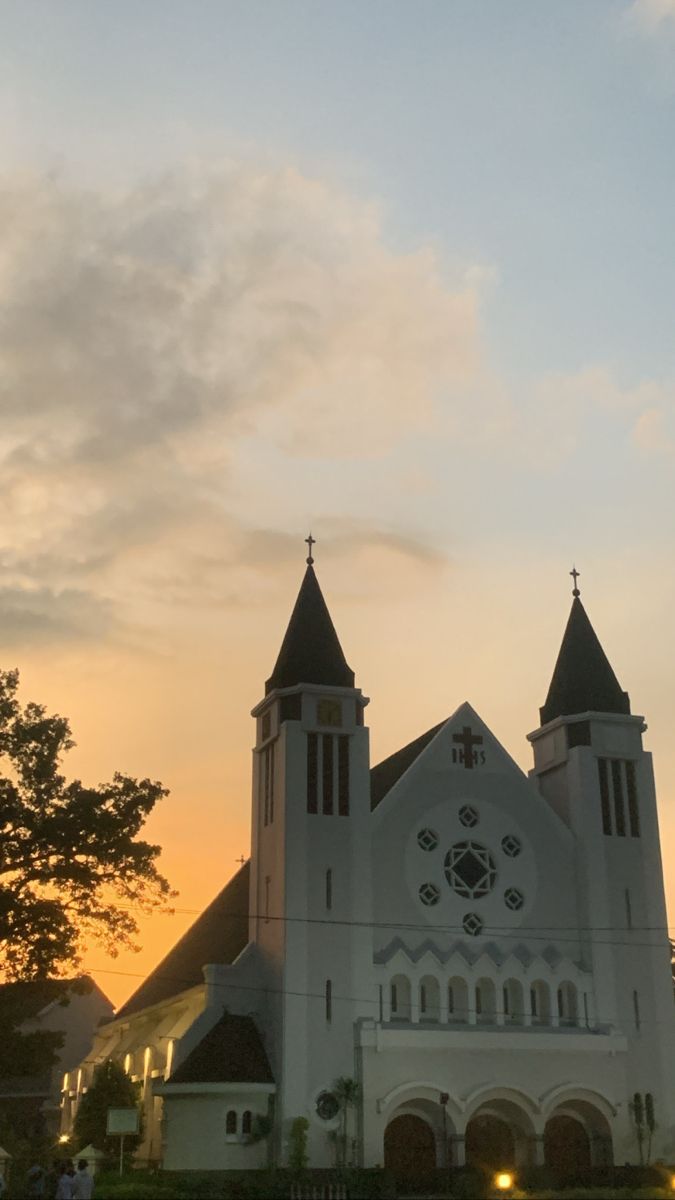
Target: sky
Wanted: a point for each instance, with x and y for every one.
(398, 273)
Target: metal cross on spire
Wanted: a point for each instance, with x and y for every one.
(575, 575)
(310, 542)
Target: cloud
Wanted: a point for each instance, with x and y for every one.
(654, 431)
(650, 16)
(147, 335)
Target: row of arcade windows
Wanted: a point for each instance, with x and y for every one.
(618, 797)
(478, 1004)
(232, 1129)
(328, 774)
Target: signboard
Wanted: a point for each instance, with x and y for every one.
(122, 1121)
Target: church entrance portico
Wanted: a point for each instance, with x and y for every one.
(499, 1135)
(414, 1139)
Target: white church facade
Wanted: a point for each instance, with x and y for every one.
(484, 952)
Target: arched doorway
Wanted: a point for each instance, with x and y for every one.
(489, 1142)
(409, 1146)
(566, 1144)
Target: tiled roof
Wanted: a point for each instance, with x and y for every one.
(389, 771)
(310, 651)
(231, 1052)
(583, 680)
(217, 936)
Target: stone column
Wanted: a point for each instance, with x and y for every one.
(458, 1145)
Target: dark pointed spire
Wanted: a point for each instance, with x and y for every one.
(310, 651)
(583, 680)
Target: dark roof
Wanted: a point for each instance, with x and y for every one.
(389, 771)
(310, 651)
(583, 680)
(217, 936)
(231, 1052)
(25, 999)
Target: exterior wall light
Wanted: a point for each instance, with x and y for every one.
(504, 1181)
(63, 1138)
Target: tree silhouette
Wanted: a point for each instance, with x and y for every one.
(67, 852)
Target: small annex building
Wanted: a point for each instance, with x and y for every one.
(32, 1095)
(484, 952)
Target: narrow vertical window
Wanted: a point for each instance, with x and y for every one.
(629, 913)
(329, 1001)
(270, 751)
(604, 796)
(343, 776)
(312, 772)
(633, 811)
(247, 1123)
(381, 998)
(261, 785)
(561, 1003)
(329, 889)
(533, 1002)
(505, 998)
(451, 1000)
(266, 756)
(617, 787)
(636, 1010)
(267, 898)
(586, 1020)
(394, 998)
(479, 1002)
(423, 998)
(327, 773)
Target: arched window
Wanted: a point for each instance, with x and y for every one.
(514, 1002)
(458, 1001)
(247, 1123)
(231, 1123)
(400, 998)
(567, 1004)
(486, 1002)
(430, 999)
(540, 1003)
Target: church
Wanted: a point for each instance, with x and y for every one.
(483, 953)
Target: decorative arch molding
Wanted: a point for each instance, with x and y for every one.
(405, 1094)
(488, 1092)
(567, 1093)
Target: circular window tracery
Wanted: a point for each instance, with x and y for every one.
(429, 894)
(427, 839)
(468, 816)
(513, 899)
(472, 924)
(470, 870)
(327, 1106)
(511, 845)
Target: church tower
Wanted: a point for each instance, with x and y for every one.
(591, 767)
(310, 880)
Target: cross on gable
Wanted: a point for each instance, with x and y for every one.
(467, 740)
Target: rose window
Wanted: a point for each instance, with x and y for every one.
(427, 839)
(468, 816)
(429, 894)
(511, 845)
(472, 924)
(513, 899)
(470, 870)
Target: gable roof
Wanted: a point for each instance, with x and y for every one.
(217, 936)
(311, 651)
(231, 1052)
(389, 771)
(583, 680)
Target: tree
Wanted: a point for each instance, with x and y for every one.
(637, 1113)
(347, 1093)
(111, 1088)
(67, 851)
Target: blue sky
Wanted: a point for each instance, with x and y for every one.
(401, 272)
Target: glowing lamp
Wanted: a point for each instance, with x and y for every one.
(504, 1181)
(64, 1137)
(672, 1182)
